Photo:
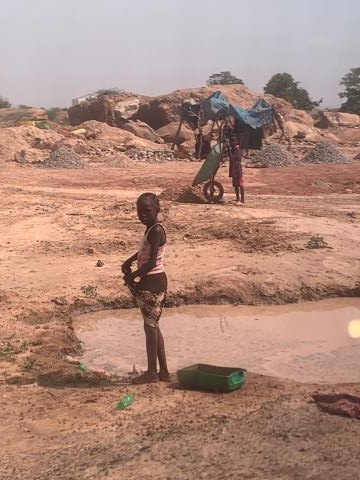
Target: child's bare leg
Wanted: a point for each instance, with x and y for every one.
(151, 347)
(150, 375)
(242, 190)
(164, 374)
(237, 193)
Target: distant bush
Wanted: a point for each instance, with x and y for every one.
(24, 107)
(4, 102)
(102, 92)
(53, 112)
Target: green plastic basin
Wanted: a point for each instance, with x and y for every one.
(210, 377)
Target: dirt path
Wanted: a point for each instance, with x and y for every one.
(56, 225)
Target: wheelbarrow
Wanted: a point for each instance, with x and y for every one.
(213, 191)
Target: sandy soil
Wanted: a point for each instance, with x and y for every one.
(57, 422)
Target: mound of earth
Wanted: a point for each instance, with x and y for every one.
(325, 152)
(184, 194)
(272, 156)
(63, 157)
(10, 117)
(162, 110)
(34, 141)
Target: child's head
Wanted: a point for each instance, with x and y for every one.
(148, 208)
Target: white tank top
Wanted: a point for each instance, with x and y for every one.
(144, 253)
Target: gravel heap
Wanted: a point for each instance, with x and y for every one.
(151, 156)
(325, 152)
(63, 157)
(272, 156)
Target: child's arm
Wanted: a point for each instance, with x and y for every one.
(126, 266)
(156, 238)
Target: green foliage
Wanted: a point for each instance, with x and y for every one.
(7, 352)
(283, 85)
(4, 102)
(223, 78)
(53, 112)
(24, 107)
(351, 83)
(99, 94)
(316, 241)
(89, 290)
(29, 363)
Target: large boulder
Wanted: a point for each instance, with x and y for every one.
(168, 133)
(301, 117)
(297, 129)
(142, 130)
(111, 109)
(337, 119)
(103, 135)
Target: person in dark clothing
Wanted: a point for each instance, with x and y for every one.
(236, 170)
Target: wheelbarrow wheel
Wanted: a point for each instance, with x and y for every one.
(213, 191)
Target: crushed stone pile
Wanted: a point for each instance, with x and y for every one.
(63, 157)
(272, 156)
(325, 152)
(184, 194)
(151, 156)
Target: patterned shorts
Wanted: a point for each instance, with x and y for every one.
(150, 304)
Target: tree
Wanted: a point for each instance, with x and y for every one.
(223, 78)
(351, 82)
(4, 102)
(283, 85)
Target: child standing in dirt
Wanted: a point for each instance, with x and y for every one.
(150, 290)
(236, 170)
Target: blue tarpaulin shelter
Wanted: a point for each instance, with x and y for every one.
(217, 106)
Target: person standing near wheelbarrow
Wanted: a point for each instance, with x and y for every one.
(236, 170)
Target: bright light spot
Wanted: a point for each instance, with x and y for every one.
(354, 329)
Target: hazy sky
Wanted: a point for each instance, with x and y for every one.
(54, 50)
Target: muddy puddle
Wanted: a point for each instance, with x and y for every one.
(309, 342)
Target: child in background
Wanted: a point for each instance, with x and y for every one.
(150, 290)
(236, 170)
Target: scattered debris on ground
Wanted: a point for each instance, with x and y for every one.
(63, 157)
(272, 156)
(325, 152)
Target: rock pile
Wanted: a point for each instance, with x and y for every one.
(151, 156)
(272, 156)
(63, 157)
(325, 152)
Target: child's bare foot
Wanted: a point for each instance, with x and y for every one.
(146, 377)
(164, 376)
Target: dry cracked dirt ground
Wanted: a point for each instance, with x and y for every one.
(57, 422)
